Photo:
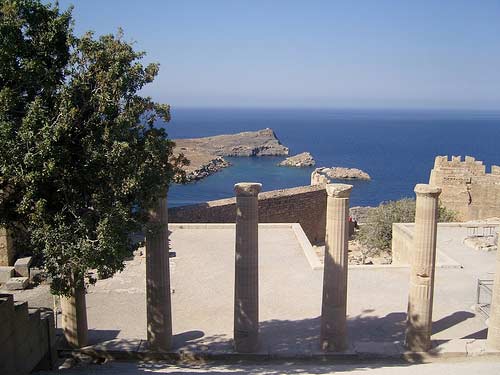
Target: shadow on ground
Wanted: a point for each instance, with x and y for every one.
(293, 339)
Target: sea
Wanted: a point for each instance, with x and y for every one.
(396, 147)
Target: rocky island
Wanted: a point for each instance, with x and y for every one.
(207, 154)
(304, 159)
(325, 175)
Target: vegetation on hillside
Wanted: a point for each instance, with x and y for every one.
(376, 233)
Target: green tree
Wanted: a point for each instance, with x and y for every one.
(89, 161)
(376, 233)
(34, 51)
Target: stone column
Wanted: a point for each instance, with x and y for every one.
(246, 283)
(159, 313)
(74, 317)
(7, 251)
(423, 260)
(493, 340)
(333, 308)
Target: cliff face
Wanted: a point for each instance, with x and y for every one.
(260, 143)
(206, 154)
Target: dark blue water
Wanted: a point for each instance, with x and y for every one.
(397, 148)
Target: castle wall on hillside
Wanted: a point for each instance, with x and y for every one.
(305, 205)
(467, 188)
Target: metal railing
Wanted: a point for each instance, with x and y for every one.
(483, 297)
(481, 230)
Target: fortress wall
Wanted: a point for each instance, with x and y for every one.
(305, 205)
(467, 188)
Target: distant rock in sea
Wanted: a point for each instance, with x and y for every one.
(304, 159)
(325, 175)
(206, 154)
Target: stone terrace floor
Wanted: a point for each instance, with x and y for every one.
(202, 276)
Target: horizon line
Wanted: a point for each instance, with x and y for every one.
(394, 109)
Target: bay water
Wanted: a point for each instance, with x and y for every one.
(396, 147)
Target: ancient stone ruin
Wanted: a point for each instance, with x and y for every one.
(333, 328)
(466, 187)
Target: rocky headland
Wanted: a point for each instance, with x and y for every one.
(325, 175)
(207, 168)
(304, 159)
(207, 154)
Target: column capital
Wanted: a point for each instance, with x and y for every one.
(426, 189)
(247, 189)
(339, 190)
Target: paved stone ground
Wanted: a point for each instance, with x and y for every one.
(290, 295)
(476, 367)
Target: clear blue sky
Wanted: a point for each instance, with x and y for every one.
(263, 53)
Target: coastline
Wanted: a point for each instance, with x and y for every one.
(206, 154)
(396, 147)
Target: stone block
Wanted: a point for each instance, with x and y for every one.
(6, 272)
(17, 283)
(22, 266)
(47, 317)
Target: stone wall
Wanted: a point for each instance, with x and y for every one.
(402, 240)
(305, 205)
(402, 243)
(27, 337)
(467, 188)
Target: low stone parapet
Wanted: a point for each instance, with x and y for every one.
(305, 205)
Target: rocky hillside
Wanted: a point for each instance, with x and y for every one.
(260, 143)
(206, 154)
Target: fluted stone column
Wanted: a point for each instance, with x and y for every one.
(159, 313)
(74, 317)
(333, 309)
(246, 284)
(423, 261)
(493, 340)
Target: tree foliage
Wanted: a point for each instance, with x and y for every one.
(376, 233)
(82, 160)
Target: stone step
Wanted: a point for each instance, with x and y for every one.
(21, 308)
(17, 283)
(7, 332)
(6, 272)
(48, 339)
(6, 306)
(34, 314)
(27, 341)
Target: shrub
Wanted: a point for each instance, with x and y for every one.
(376, 234)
